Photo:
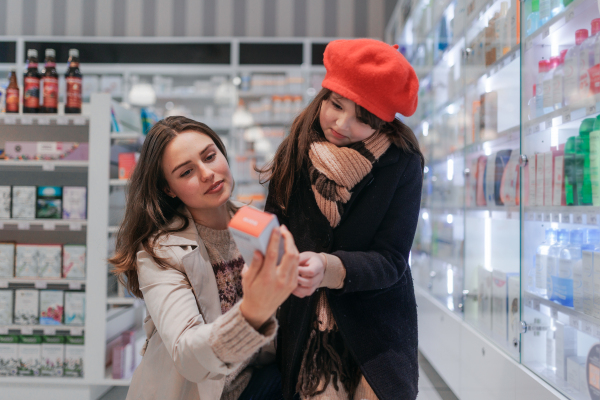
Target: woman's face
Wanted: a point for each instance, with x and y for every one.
(339, 123)
(196, 171)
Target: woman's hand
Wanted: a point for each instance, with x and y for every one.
(311, 272)
(267, 285)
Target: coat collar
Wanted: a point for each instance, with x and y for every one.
(188, 237)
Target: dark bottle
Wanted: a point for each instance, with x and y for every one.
(12, 93)
(73, 78)
(31, 84)
(50, 84)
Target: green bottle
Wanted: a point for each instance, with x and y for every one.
(595, 161)
(587, 126)
(571, 192)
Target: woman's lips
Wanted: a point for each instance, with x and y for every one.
(337, 135)
(216, 187)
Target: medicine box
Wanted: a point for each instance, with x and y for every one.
(30, 355)
(251, 229)
(49, 202)
(26, 264)
(51, 307)
(74, 308)
(26, 307)
(5, 201)
(49, 260)
(23, 202)
(7, 260)
(53, 356)
(74, 202)
(74, 261)
(9, 355)
(74, 356)
(6, 307)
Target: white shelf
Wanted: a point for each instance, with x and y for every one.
(45, 164)
(43, 119)
(24, 380)
(126, 135)
(41, 283)
(46, 329)
(113, 229)
(118, 182)
(47, 224)
(109, 381)
(122, 301)
(580, 215)
(565, 14)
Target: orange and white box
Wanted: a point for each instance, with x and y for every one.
(251, 229)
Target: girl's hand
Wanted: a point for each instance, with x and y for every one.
(267, 285)
(310, 273)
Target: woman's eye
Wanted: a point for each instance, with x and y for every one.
(186, 173)
(211, 157)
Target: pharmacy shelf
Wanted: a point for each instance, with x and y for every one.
(46, 165)
(118, 182)
(564, 16)
(126, 135)
(26, 380)
(43, 329)
(113, 229)
(43, 119)
(45, 224)
(40, 283)
(258, 94)
(580, 215)
(122, 301)
(109, 381)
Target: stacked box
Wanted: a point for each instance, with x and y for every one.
(53, 356)
(49, 261)
(49, 202)
(23, 202)
(9, 355)
(74, 202)
(26, 307)
(5, 201)
(75, 308)
(26, 265)
(51, 307)
(74, 356)
(6, 307)
(74, 261)
(7, 260)
(30, 355)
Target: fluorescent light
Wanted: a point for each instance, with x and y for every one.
(425, 128)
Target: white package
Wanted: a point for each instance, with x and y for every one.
(49, 261)
(576, 373)
(23, 202)
(74, 261)
(9, 355)
(26, 261)
(74, 308)
(5, 201)
(74, 357)
(485, 298)
(51, 307)
(53, 356)
(74, 202)
(566, 346)
(6, 307)
(26, 307)
(7, 260)
(30, 355)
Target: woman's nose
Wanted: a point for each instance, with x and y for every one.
(206, 174)
(343, 121)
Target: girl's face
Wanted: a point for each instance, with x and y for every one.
(196, 171)
(339, 123)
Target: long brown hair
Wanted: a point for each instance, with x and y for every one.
(149, 210)
(306, 129)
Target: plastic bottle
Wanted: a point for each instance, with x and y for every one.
(571, 70)
(73, 79)
(558, 93)
(50, 84)
(545, 11)
(31, 84)
(553, 261)
(569, 256)
(548, 85)
(532, 103)
(556, 6)
(582, 148)
(533, 19)
(541, 262)
(12, 93)
(583, 273)
(543, 67)
(595, 162)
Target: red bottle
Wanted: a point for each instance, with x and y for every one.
(50, 84)
(12, 93)
(31, 84)
(73, 78)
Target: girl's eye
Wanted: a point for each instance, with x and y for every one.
(186, 173)
(211, 157)
(336, 105)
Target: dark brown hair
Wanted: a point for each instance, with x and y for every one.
(149, 210)
(306, 129)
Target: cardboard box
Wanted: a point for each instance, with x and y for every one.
(6, 307)
(26, 307)
(484, 298)
(74, 261)
(26, 265)
(127, 162)
(251, 229)
(9, 355)
(30, 355)
(5, 201)
(74, 202)
(51, 307)
(49, 260)
(74, 356)
(47, 150)
(53, 356)
(7, 260)
(23, 202)
(74, 308)
(49, 202)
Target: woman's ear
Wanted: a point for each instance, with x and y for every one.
(169, 192)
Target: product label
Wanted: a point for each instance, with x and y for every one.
(562, 291)
(31, 92)
(73, 92)
(12, 100)
(50, 85)
(571, 81)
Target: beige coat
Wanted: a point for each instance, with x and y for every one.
(190, 346)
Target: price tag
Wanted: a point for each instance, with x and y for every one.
(48, 166)
(3, 330)
(41, 284)
(546, 33)
(592, 219)
(530, 216)
(62, 121)
(43, 121)
(1, 225)
(79, 121)
(536, 128)
(565, 218)
(555, 217)
(49, 226)
(578, 218)
(75, 285)
(10, 120)
(549, 124)
(49, 330)
(536, 305)
(554, 313)
(74, 226)
(547, 217)
(3, 284)
(570, 16)
(26, 120)
(23, 226)
(574, 322)
(77, 331)
(539, 217)
(566, 117)
(591, 110)
(588, 328)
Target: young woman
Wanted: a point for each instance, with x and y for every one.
(347, 183)
(174, 251)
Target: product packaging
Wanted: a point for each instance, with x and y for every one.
(9, 355)
(74, 202)
(5, 200)
(26, 307)
(23, 202)
(509, 187)
(539, 179)
(53, 356)
(566, 346)
(74, 261)
(30, 355)
(26, 264)
(576, 373)
(7, 260)
(6, 307)
(74, 356)
(72, 151)
(51, 307)
(49, 260)
(49, 202)
(127, 163)
(251, 229)
(484, 299)
(548, 171)
(74, 308)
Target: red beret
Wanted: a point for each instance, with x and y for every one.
(372, 74)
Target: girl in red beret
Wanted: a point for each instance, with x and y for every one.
(347, 183)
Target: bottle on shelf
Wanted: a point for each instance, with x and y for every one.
(583, 274)
(556, 6)
(501, 27)
(558, 82)
(533, 19)
(570, 260)
(573, 171)
(571, 70)
(549, 85)
(50, 84)
(74, 87)
(12, 93)
(595, 161)
(545, 11)
(553, 262)
(541, 262)
(543, 68)
(31, 84)
(582, 144)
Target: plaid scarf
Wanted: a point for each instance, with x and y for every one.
(334, 171)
